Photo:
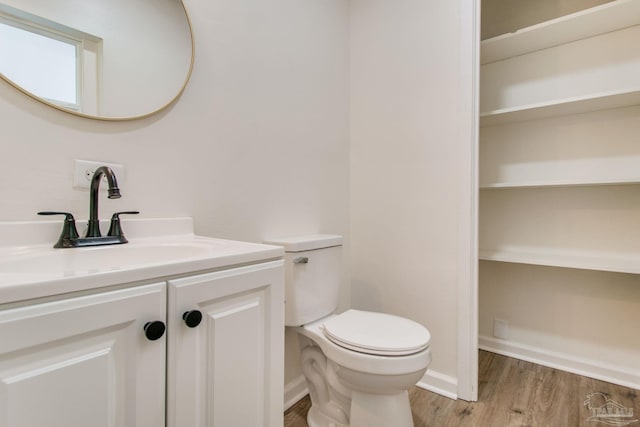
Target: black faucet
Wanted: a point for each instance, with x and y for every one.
(93, 225)
(69, 237)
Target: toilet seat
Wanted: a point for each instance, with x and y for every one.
(359, 360)
(376, 333)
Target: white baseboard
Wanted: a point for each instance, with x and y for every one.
(565, 362)
(442, 384)
(294, 391)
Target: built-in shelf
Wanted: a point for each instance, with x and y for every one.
(562, 107)
(559, 168)
(576, 26)
(620, 263)
(559, 183)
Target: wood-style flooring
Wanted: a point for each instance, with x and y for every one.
(513, 393)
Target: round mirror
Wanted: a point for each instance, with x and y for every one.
(102, 59)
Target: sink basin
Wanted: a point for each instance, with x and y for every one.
(72, 262)
(33, 269)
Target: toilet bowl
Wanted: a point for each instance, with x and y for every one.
(374, 384)
(358, 365)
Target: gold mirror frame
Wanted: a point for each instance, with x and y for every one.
(122, 118)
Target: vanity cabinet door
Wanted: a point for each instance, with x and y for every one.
(84, 361)
(227, 371)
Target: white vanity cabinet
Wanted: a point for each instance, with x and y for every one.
(228, 370)
(86, 360)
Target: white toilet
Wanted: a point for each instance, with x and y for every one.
(358, 364)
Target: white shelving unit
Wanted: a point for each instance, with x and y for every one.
(562, 107)
(567, 183)
(560, 202)
(587, 23)
(620, 263)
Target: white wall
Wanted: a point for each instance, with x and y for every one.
(576, 319)
(257, 146)
(411, 168)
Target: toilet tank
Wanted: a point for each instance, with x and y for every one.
(313, 269)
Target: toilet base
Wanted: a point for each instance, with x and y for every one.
(316, 418)
(344, 396)
(380, 410)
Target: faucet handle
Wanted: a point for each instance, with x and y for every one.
(115, 229)
(69, 230)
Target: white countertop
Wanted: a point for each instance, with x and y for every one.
(157, 248)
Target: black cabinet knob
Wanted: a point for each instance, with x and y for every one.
(192, 318)
(154, 330)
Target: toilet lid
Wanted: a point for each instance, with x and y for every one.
(376, 333)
